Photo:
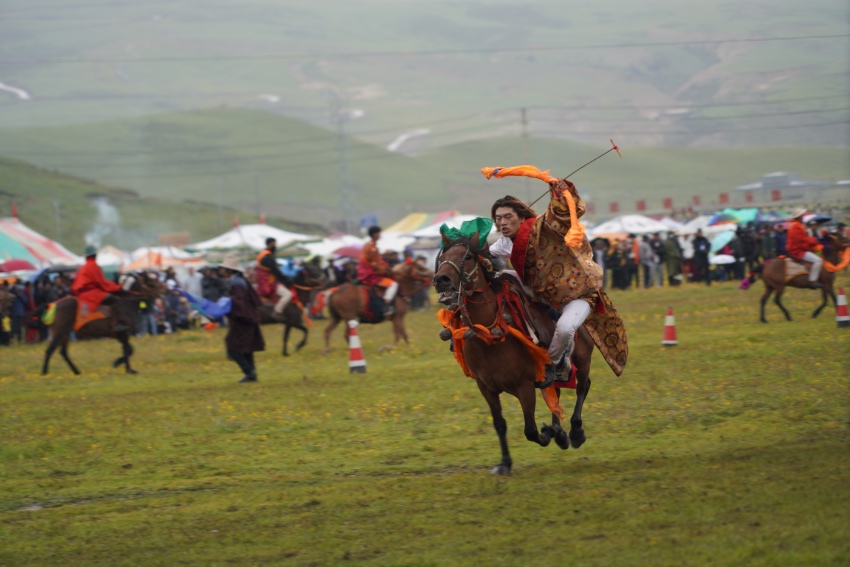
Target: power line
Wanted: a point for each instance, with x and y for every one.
(423, 53)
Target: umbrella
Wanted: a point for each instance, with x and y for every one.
(722, 259)
(769, 216)
(722, 240)
(351, 251)
(818, 218)
(721, 218)
(15, 265)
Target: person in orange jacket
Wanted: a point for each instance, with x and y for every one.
(801, 246)
(372, 270)
(93, 290)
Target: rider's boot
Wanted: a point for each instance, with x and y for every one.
(549, 379)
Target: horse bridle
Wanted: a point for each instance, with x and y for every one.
(464, 276)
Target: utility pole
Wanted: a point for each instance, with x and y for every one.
(58, 216)
(346, 201)
(525, 153)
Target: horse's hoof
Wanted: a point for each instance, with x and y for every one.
(561, 440)
(284, 353)
(501, 470)
(117, 363)
(577, 438)
(131, 371)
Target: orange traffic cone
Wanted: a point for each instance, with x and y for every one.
(669, 338)
(841, 316)
(356, 362)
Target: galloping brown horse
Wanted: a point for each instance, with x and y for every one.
(773, 275)
(142, 287)
(505, 366)
(348, 302)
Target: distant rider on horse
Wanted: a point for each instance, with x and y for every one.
(372, 270)
(802, 247)
(554, 261)
(272, 284)
(92, 289)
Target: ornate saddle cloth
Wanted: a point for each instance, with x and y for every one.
(374, 306)
(794, 268)
(85, 315)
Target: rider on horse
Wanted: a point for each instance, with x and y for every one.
(374, 271)
(272, 284)
(93, 290)
(802, 247)
(554, 261)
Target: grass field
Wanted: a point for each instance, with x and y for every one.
(730, 449)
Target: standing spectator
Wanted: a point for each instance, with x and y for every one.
(781, 240)
(244, 337)
(19, 310)
(600, 248)
(212, 287)
(686, 245)
(634, 264)
(171, 304)
(736, 248)
(192, 283)
(768, 242)
(673, 259)
(659, 258)
(616, 264)
(701, 249)
(647, 261)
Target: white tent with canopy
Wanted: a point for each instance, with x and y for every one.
(628, 224)
(252, 236)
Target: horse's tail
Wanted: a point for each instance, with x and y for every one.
(329, 301)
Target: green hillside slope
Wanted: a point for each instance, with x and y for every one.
(62, 207)
(253, 161)
(412, 65)
(642, 173)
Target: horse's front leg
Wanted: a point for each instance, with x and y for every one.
(286, 328)
(825, 296)
(576, 435)
(128, 352)
(527, 400)
(560, 436)
(501, 426)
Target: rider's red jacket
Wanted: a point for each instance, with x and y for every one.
(90, 286)
(799, 242)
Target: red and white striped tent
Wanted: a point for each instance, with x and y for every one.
(44, 251)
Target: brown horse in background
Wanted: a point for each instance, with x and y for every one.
(505, 366)
(138, 287)
(346, 303)
(773, 275)
(306, 286)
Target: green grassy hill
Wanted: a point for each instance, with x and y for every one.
(642, 173)
(39, 193)
(250, 160)
(578, 67)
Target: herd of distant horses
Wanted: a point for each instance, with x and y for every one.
(499, 368)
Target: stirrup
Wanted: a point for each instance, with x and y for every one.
(548, 380)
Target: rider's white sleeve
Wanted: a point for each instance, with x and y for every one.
(502, 248)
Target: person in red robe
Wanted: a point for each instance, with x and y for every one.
(92, 289)
(801, 246)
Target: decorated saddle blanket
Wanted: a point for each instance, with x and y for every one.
(86, 315)
(374, 306)
(794, 268)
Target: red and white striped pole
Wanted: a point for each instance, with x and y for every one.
(669, 338)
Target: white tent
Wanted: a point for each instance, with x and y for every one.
(628, 224)
(326, 246)
(701, 223)
(671, 224)
(252, 236)
(112, 256)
